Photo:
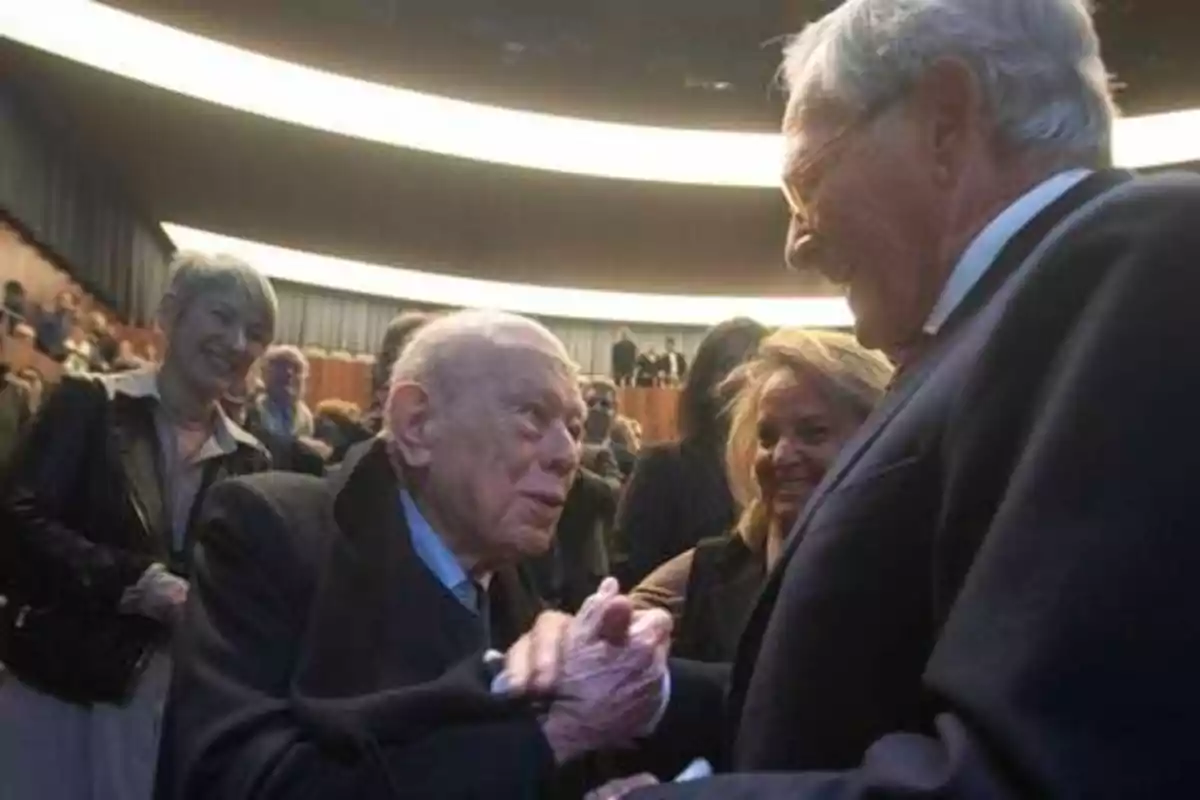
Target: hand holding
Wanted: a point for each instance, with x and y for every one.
(534, 664)
(611, 677)
(158, 594)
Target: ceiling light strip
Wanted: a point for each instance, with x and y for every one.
(546, 301)
(133, 47)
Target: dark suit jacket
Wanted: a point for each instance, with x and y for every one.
(321, 659)
(624, 357)
(994, 592)
(677, 496)
(664, 365)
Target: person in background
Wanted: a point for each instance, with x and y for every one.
(801, 398)
(35, 383)
(399, 331)
(14, 310)
(80, 352)
(677, 494)
(335, 644)
(672, 365)
(647, 373)
(96, 540)
(627, 432)
(56, 324)
(601, 454)
(105, 348)
(624, 358)
(281, 410)
(577, 559)
(337, 424)
(15, 408)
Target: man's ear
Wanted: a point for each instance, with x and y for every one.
(951, 103)
(410, 420)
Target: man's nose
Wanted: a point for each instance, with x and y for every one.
(238, 339)
(799, 239)
(562, 450)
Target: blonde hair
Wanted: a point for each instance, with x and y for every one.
(849, 377)
(340, 411)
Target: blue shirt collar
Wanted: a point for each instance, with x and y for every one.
(986, 247)
(434, 553)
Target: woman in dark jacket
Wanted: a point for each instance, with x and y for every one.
(677, 494)
(797, 404)
(96, 541)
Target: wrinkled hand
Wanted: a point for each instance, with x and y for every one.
(534, 664)
(158, 594)
(604, 669)
(614, 790)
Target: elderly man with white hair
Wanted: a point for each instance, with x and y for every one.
(336, 642)
(993, 593)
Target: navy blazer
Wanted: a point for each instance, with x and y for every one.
(994, 592)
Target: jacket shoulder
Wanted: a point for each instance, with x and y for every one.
(284, 518)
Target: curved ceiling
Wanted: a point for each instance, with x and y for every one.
(687, 63)
(261, 179)
(249, 176)
(170, 58)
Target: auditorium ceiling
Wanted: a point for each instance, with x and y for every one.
(686, 63)
(697, 63)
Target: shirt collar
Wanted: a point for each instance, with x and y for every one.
(429, 546)
(226, 435)
(985, 248)
(434, 553)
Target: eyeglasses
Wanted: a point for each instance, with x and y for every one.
(803, 180)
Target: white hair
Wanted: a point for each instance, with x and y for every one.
(195, 274)
(437, 356)
(289, 353)
(1037, 61)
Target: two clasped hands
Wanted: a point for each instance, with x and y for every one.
(606, 670)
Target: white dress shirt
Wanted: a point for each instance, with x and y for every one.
(985, 248)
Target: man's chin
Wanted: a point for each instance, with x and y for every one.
(535, 541)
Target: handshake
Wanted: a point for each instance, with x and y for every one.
(604, 671)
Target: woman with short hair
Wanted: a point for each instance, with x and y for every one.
(96, 540)
(798, 402)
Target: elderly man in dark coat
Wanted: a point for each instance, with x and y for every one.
(336, 642)
(993, 592)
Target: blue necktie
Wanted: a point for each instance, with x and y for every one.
(472, 595)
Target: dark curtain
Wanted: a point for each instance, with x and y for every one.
(316, 317)
(78, 217)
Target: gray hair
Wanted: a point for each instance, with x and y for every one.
(438, 353)
(194, 275)
(287, 352)
(1037, 61)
